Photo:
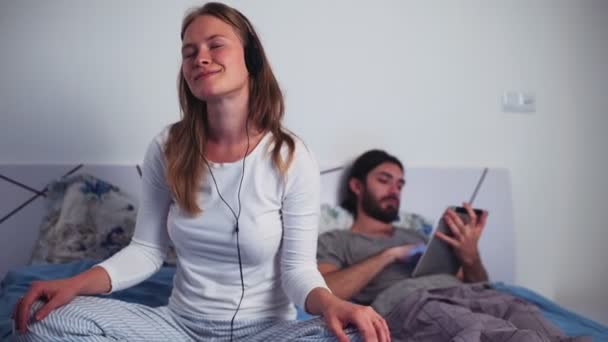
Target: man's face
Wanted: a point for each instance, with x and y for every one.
(381, 193)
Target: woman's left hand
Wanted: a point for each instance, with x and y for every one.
(371, 325)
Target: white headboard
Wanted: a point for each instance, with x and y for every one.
(428, 192)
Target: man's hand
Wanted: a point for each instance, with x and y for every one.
(400, 253)
(466, 235)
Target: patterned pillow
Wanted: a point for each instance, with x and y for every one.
(336, 217)
(86, 218)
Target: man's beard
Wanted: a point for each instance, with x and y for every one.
(372, 207)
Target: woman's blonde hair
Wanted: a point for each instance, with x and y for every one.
(187, 140)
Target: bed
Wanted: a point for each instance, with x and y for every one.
(30, 193)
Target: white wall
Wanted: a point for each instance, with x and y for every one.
(95, 80)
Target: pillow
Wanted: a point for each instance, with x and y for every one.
(86, 218)
(336, 217)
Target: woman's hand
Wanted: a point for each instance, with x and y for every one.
(59, 292)
(339, 313)
(56, 293)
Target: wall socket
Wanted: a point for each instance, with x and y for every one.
(518, 102)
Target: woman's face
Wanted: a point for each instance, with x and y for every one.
(213, 62)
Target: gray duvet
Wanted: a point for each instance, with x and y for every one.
(440, 308)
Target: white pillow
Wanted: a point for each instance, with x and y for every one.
(336, 217)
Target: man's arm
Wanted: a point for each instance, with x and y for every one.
(347, 282)
(474, 271)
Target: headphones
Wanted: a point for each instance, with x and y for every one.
(253, 55)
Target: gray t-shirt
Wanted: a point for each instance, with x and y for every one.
(344, 248)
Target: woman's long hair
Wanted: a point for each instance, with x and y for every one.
(188, 137)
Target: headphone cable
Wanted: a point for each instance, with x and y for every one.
(236, 216)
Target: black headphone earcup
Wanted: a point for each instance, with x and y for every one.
(253, 60)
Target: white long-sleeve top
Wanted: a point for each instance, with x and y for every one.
(278, 236)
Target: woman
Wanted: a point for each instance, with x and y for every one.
(239, 198)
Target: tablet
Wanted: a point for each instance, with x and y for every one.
(439, 257)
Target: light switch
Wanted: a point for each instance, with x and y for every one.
(518, 102)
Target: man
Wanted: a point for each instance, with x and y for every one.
(358, 264)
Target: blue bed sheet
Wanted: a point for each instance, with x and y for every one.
(156, 290)
(570, 322)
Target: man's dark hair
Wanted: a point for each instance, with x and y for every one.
(359, 170)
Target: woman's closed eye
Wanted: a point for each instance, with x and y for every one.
(188, 53)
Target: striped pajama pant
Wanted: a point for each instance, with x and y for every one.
(104, 319)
